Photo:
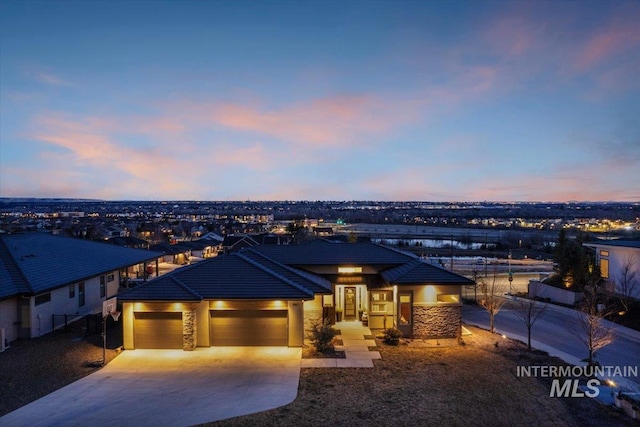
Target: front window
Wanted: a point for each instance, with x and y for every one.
(604, 267)
(81, 294)
(43, 298)
(379, 301)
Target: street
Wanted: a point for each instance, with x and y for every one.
(554, 332)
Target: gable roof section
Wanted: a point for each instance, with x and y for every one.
(420, 272)
(323, 252)
(311, 281)
(233, 276)
(47, 262)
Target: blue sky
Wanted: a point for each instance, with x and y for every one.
(364, 100)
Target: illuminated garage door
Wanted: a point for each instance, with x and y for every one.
(158, 330)
(249, 327)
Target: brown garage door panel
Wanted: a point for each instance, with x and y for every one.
(249, 328)
(158, 330)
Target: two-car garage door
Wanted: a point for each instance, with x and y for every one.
(249, 327)
(163, 330)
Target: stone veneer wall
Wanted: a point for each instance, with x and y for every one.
(436, 321)
(189, 329)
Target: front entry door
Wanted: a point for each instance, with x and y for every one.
(349, 303)
(405, 314)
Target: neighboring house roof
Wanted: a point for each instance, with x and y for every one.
(169, 249)
(420, 272)
(323, 252)
(635, 244)
(238, 242)
(234, 276)
(128, 242)
(34, 263)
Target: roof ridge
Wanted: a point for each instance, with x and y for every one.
(186, 287)
(273, 273)
(389, 248)
(305, 275)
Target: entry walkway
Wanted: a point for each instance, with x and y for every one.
(354, 345)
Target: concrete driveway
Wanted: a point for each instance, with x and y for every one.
(171, 388)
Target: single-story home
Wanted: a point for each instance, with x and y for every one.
(43, 276)
(270, 294)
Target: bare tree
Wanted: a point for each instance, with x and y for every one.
(491, 299)
(528, 310)
(625, 282)
(593, 330)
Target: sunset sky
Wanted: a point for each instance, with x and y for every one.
(344, 100)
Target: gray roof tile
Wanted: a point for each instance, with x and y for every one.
(47, 262)
(420, 272)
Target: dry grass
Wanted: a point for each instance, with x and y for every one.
(436, 385)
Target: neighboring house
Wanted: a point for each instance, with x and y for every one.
(236, 242)
(270, 294)
(203, 248)
(615, 257)
(178, 253)
(42, 275)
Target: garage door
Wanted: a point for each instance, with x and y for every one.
(158, 330)
(249, 327)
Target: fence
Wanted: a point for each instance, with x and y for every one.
(81, 325)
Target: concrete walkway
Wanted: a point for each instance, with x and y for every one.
(354, 345)
(170, 388)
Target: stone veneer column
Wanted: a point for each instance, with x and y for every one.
(436, 321)
(189, 329)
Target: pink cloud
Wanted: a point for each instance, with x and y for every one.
(620, 35)
(319, 122)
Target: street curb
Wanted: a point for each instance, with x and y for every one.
(629, 333)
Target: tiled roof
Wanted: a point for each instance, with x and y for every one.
(39, 262)
(420, 272)
(169, 249)
(323, 252)
(234, 276)
(309, 280)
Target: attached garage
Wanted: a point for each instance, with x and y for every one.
(158, 330)
(249, 327)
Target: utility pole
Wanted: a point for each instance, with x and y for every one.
(510, 275)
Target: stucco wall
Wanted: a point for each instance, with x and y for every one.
(296, 324)
(564, 296)
(436, 320)
(312, 312)
(41, 320)
(8, 316)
